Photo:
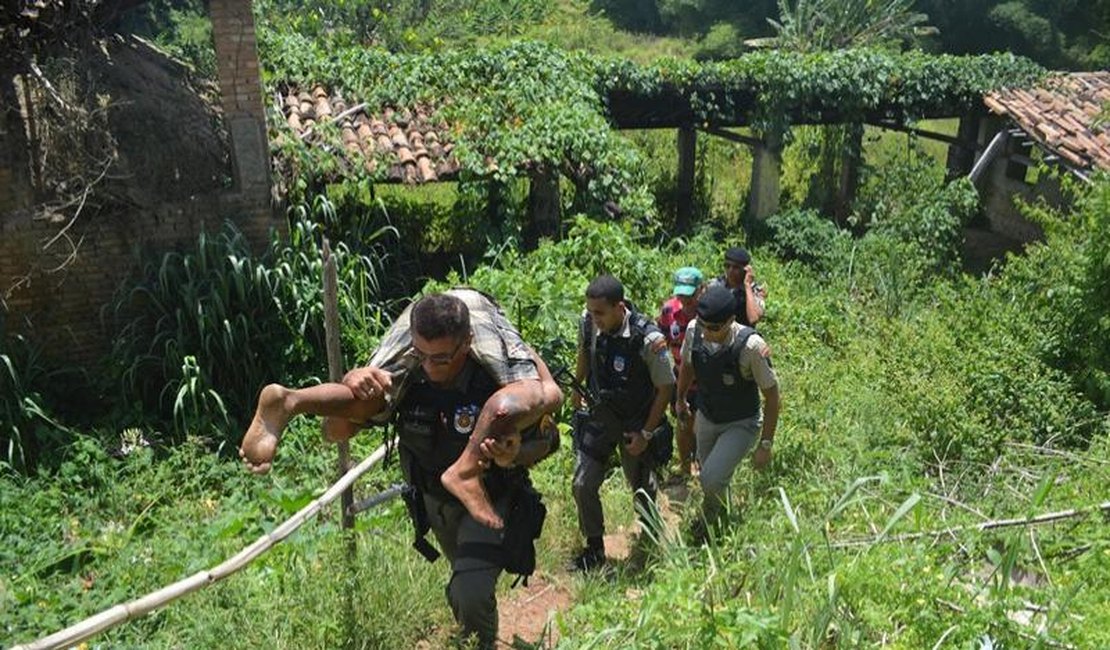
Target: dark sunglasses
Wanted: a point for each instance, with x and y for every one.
(714, 327)
(440, 359)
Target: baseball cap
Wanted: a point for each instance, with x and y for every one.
(738, 255)
(716, 304)
(687, 280)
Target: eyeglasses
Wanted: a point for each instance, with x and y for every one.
(439, 359)
(734, 265)
(714, 327)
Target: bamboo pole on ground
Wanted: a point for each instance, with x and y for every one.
(126, 612)
(335, 368)
(1045, 518)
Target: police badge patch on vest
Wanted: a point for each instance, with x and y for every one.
(728, 379)
(465, 418)
(618, 363)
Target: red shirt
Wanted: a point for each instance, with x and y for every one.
(673, 321)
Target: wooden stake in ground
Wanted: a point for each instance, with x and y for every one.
(335, 368)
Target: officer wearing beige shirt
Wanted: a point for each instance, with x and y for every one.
(732, 375)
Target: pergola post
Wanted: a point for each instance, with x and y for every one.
(961, 158)
(687, 160)
(763, 196)
(543, 206)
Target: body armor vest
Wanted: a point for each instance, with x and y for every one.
(723, 394)
(618, 376)
(434, 425)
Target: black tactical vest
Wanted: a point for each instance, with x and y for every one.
(434, 424)
(723, 395)
(618, 376)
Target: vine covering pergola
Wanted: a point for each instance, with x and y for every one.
(529, 109)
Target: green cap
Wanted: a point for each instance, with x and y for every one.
(687, 280)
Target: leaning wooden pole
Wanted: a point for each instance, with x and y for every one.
(119, 614)
(335, 367)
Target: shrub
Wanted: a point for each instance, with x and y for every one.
(909, 201)
(27, 428)
(806, 236)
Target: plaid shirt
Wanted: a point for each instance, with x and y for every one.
(497, 347)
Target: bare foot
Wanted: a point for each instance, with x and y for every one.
(261, 440)
(473, 496)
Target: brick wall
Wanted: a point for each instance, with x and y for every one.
(62, 309)
(241, 92)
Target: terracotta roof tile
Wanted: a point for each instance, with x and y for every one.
(1060, 114)
(412, 148)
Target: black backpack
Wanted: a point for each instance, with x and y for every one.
(522, 528)
(523, 525)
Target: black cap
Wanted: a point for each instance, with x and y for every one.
(738, 255)
(716, 304)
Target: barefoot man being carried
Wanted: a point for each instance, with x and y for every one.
(467, 396)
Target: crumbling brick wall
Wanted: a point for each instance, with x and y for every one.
(185, 164)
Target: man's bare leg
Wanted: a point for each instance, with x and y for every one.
(507, 411)
(278, 404)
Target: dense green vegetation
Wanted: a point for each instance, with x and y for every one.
(932, 405)
(918, 398)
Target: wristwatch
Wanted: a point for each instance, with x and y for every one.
(648, 434)
(766, 443)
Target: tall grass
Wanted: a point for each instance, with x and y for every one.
(201, 332)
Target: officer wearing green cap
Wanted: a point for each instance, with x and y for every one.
(674, 316)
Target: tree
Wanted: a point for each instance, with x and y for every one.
(820, 25)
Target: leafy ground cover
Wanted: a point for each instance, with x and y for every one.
(917, 400)
(955, 409)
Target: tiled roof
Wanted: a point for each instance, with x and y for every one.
(415, 149)
(1060, 114)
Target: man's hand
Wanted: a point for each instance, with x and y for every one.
(658, 345)
(501, 451)
(762, 457)
(749, 276)
(681, 407)
(635, 442)
(368, 382)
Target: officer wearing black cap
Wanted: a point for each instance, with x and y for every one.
(739, 279)
(732, 373)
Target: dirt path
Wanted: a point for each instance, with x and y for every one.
(527, 613)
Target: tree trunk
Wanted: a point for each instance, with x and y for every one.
(543, 207)
(687, 159)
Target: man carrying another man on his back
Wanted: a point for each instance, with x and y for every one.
(466, 394)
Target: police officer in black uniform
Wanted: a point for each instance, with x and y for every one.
(443, 391)
(631, 385)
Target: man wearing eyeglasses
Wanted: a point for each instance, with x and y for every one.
(631, 379)
(466, 394)
(739, 278)
(732, 372)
